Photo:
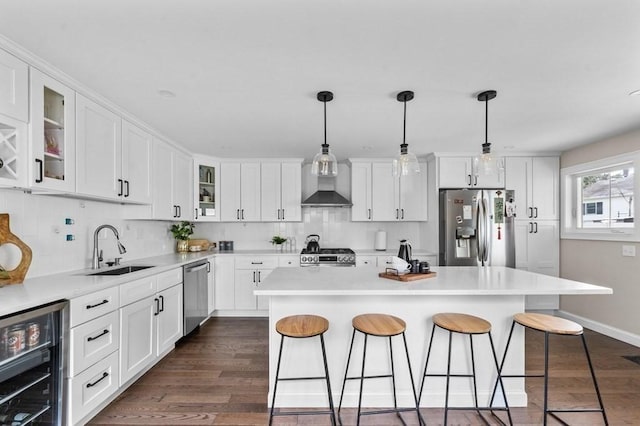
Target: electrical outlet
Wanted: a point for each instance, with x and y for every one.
(629, 251)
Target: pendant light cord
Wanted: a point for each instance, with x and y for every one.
(486, 120)
(404, 124)
(325, 122)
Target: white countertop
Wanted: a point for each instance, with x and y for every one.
(42, 290)
(325, 281)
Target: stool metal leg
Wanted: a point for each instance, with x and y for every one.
(546, 376)
(424, 375)
(504, 357)
(413, 385)
(364, 356)
(593, 376)
(346, 370)
(393, 377)
(326, 372)
(473, 374)
(446, 396)
(275, 384)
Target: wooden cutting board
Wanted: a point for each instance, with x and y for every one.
(406, 277)
(15, 276)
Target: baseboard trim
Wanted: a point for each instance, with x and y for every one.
(607, 330)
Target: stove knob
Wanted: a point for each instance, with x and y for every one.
(303, 259)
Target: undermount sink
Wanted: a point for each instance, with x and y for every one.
(121, 271)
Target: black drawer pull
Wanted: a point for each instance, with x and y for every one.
(91, 339)
(256, 263)
(97, 304)
(104, 376)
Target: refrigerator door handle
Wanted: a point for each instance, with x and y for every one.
(479, 231)
(485, 232)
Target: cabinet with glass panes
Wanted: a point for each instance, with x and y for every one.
(52, 133)
(206, 194)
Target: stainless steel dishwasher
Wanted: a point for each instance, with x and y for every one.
(195, 294)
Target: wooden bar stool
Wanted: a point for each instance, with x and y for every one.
(549, 324)
(379, 325)
(468, 325)
(301, 327)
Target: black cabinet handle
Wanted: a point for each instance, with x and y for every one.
(157, 306)
(238, 214)
(254, 276)
(40, 172)
(91, 339)
(161, 303)
(196, 214)
(469, 176)
(126, 193)
(120, 185)
(242, 214)
(97, 304)
(402, 213)
(258, 276)
(208, 267)
(530, 211)
(179, 211)
(397, 214)
(104, 376)
(369, 214)
(536, 231)
(278, 214)
(535, 212)
(531, 227)
(282, 214)
(475, 180)
(256, 263)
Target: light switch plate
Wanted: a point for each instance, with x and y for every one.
(628, 250)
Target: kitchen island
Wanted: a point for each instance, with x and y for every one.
(339, 294)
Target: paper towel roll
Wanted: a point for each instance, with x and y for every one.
(381, 241)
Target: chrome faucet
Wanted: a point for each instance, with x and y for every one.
(97, 255)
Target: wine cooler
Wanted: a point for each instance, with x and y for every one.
(31, 366)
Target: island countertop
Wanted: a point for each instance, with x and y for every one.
(458, 280)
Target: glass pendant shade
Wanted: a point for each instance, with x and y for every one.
(486, 163)
(324, 163)
(406, 163)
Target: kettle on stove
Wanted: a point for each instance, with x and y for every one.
(313, 246)
(405, 251)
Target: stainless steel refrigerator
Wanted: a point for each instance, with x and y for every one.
(476, 227)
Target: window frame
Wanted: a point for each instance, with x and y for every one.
(572, 204)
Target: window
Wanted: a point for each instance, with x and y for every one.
(598, 199)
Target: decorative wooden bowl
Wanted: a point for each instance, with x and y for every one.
(14, 276)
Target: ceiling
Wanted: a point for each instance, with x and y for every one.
(245, 72)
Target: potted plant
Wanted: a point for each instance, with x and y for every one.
(278, 241)
(182, 232)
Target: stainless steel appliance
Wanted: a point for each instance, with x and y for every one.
(32, 366)
(195, 294)
(405, 251)
(313, 246)
(328, 257)
(476, 227)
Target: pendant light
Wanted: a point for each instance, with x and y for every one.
(486, 163)
(406, 162)
(324, 163)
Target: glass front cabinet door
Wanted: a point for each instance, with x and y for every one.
(52, 134)
(207, 191)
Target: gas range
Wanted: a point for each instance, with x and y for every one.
(328, 257)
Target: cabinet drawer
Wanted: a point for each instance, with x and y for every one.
(289, 261)
(93, 340)
(136, 290)
(366, 260)
(256, 262)
(90, 306)
(169, 279)
(93, 386)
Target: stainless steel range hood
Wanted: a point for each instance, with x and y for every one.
(326, 195)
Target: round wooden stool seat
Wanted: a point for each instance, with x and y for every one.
(302, 325)
(548, 323)
(462, 323)
(379, 324)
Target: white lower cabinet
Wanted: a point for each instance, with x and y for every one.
(138, 337)
(224, 272)
(250, 272)
(92, 387)
(92, 341)
(169, 318)
(366, 260)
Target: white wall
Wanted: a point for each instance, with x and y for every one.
(601, 262)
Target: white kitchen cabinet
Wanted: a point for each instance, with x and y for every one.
(206, 193)
(172, 183)
(136, 165)
(379, 196)
(14, 87)
(169, 318)
(224, 273)
(98, 150)
(137, 337)
(240, 191)
(53, 134)
(289, 261)
(92, 387)
(537, 250)
(366, 260)
(281, 191)
(14, 138)
(462, 172)
(92, 341)
(211, 287)
(250, 272)
(536, 185)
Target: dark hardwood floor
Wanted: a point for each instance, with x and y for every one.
(219, 377)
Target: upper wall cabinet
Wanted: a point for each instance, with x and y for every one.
(379, 196)
(53, 134)
(99, 150)
(462, 172)
(172, 180)
(281, 191)
(206, 197)
(136, 164)
(240, 191)
(14, 87)
(535, 181)
(13, 152)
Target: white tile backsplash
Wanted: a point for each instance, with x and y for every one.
(39, 220)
